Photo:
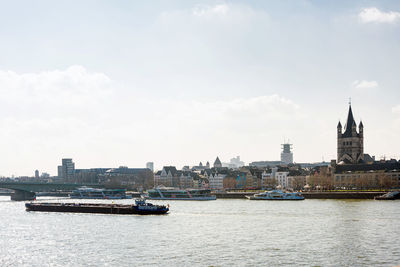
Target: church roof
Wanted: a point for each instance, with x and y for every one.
(386, 166)
(217, 161)
(171, 169)
(349, 124)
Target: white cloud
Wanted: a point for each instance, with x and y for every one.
(365, 84)
(51, 114)
(205, 11)
(260, 108)
(215, 14)
(396, 110)
(373, 14)
(76, 113)
(73, 86)
(228, 120)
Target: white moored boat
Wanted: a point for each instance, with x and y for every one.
(99, 193)
(277, 195)
(169, 193)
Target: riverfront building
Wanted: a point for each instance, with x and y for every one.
(265, 164)
(282, 179)
(150, 166)
(215, 180)
(385, 174)
(66, 171)
(169, 176)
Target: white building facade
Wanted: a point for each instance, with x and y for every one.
(282, 179)
(216, 181)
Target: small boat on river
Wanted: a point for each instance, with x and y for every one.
(277, 195)
(140, 207)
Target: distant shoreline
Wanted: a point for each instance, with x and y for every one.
(310, 195)
(242, 195)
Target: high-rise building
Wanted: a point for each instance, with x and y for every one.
(37, 174)
(59, 172)
(150, 165)
(350, 144)
(67, 170)
(236, 162)
(287, 154)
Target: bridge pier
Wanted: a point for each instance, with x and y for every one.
(21, 195)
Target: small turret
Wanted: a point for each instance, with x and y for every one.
(339, 128)
(361, 128)
(354, 128)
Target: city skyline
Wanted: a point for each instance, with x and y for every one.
(181, 82)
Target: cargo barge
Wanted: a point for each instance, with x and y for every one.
(140, 207)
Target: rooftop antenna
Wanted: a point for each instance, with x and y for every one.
(349, 101)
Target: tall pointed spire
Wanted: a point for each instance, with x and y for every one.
(350, 122)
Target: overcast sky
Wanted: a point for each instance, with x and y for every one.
(113, 83)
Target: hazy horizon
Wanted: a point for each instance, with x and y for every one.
(123, 83)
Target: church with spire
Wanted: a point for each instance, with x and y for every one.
(350, 142)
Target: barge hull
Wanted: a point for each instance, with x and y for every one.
(102, 209)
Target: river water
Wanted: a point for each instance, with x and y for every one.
(210, 233)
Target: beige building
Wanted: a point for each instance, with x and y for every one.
(367, 176)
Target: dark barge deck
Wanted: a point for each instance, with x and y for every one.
(146, 209)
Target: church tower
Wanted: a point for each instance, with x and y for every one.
(350, 143)
(217, 163)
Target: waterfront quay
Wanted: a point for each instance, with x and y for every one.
(309, 195)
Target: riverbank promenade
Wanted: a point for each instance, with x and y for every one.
(311, 195)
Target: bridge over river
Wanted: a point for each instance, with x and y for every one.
(28, 190)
